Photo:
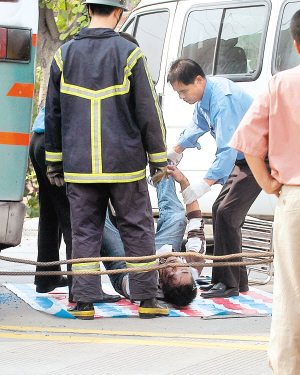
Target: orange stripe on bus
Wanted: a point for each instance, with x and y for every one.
(21, 90)
(34, 40)
(17, 139)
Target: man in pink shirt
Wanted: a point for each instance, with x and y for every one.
(272, 125)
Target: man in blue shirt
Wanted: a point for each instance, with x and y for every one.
(220, 106)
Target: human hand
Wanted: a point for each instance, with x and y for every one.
(55, 175)
(157, 173)
(195, 191)
(174, 157)
(178, 176)
(268, 183)
(273, 187)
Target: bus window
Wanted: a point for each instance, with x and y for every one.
(18, 44)
(15, 44)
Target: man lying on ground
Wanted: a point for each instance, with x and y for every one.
(176, 285)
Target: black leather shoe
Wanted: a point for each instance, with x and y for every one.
(150, 308)
(243, 289)
(46, 288)
(82, 310)
(109, 298)
(206, 287)
(220, 290)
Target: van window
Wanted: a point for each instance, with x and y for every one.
(286, 56)
(130, 27)
(226, 41)
(240, 40)
(200, 37)
(150, 32)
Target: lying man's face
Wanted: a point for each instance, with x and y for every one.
(176, 276)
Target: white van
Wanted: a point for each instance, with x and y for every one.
(245, 41)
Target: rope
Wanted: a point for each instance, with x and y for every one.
(130, 270)
(143, 258)
(140, 269)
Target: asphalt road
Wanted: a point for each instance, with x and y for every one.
(32, 342)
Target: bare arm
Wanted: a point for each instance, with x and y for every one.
(269, 184)
(210, 182)
(178, 149)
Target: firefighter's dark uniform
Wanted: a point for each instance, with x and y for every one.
(103, 121)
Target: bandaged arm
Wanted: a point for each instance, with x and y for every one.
(196, 238)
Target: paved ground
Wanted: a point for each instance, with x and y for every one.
(32, 342)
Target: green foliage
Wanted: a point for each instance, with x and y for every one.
(70, 16)
(31, 193)
(36, 92)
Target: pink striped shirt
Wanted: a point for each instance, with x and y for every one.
(272, 124)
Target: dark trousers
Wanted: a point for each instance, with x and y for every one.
(54, 220)
(134, 221)
(228, 212)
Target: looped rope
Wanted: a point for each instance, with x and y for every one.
(263, 258)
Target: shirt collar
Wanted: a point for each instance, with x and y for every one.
(206, 95)
(95, 33)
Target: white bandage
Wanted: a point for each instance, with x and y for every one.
(195, 223)
(195, 191)
(174, 157)
(195, 244)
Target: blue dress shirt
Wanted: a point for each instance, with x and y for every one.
(39, 122)
(220, 111)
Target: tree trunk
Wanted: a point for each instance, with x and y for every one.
(48, 43)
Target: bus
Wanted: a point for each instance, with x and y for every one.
(18, 41)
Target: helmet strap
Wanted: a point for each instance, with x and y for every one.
(88, 11)
(120, 16)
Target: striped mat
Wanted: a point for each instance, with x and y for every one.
(252, 303)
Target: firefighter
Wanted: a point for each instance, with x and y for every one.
(103, 123)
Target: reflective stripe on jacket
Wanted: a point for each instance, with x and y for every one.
(102, 119)
(86, 267)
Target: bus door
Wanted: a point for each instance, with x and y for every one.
(18, 38)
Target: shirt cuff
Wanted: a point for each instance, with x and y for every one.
(210, 175)
(183, 142)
